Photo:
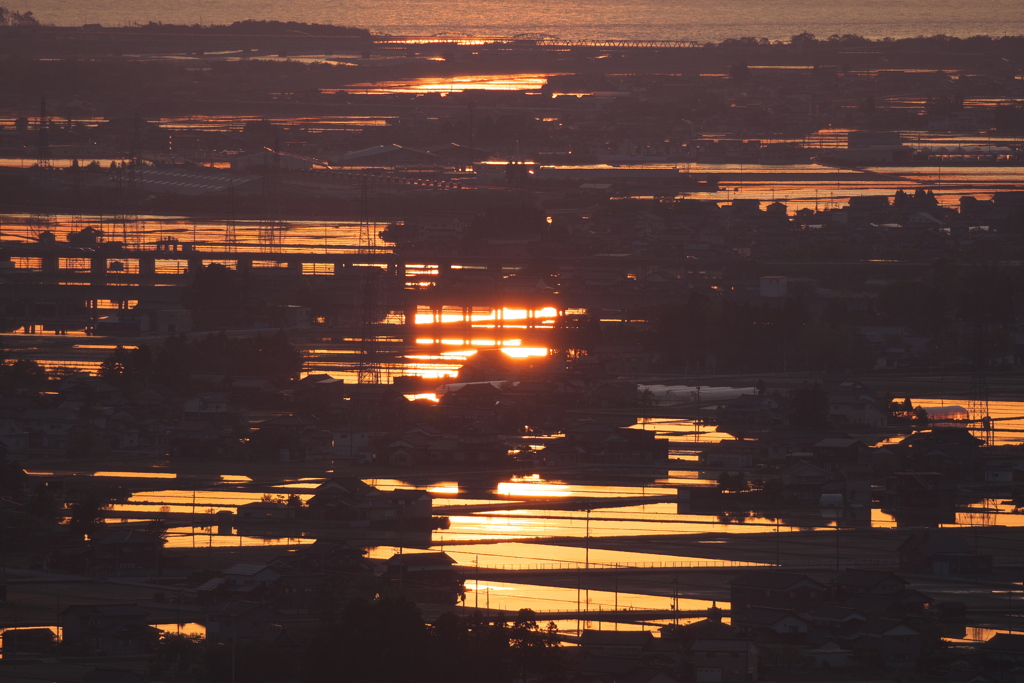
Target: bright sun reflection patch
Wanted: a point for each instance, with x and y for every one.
(425, 397)
(526, 352)
(140, 475)
(447, 488)
(428, 317)
(532, 486)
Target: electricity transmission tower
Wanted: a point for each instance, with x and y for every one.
(373, 307)
(271, 226)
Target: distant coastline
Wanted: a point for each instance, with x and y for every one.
(805, 40)
(690, 20)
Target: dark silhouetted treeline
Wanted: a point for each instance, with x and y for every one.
(172, 364)
(387, 641)
(257, 27)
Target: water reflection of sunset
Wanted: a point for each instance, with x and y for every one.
(659, 519)
(454, 84)
(539, 598)
(467, 329)
(513, 555)
(1007, 418)
(140, 475)
(186, 629)
(526, 352)
(532, 486)
(205, 537)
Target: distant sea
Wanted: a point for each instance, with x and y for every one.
(700, 20)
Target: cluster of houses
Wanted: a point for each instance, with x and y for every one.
(322, 418)
(784, 626)
(596, 117)
(242, 603)
(346, 500)
(919, 478)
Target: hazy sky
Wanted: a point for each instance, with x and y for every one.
(689, 19)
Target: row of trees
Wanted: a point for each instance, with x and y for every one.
(380, 641)
(259, 27)
(387, 641)
(19, 374)
(968, 314)
(271, 356)
(808, 40)
(9, 17)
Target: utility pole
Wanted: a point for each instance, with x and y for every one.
(39, 221)
(615, 577)
(230, 227)
(778, 543)
(579, 612)
(587, 558)
(675, 600)
(837, 543)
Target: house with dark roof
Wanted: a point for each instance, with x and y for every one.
(1004, 647)
(952, 450)
(775, 589)
(609, 669)
(388, 156)
(471, 402)
(898, 643)
(238, 621)
(919, 490)
(127, 552)
(28, 641)
(905, 603)
(593, 442)
(266, 511)
(710, 627)
(723, 661)
(351, 499)
(102, 674)
(806, 481)
(615, 643)
(107, 629)
(943, 552)
(781, 621)
(337, 497)
(748, 413)
(400, 505)
(292, 438)
(868, 582)
(833, 617)
(427, 577)
(324, 556)
(829, 655)
(856, 409)
(834, 452)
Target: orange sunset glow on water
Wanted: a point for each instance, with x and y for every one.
(359, 327)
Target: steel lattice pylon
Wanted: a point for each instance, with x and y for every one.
(373, 308)
(977, 406)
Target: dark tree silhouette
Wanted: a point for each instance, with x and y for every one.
(808, 408)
